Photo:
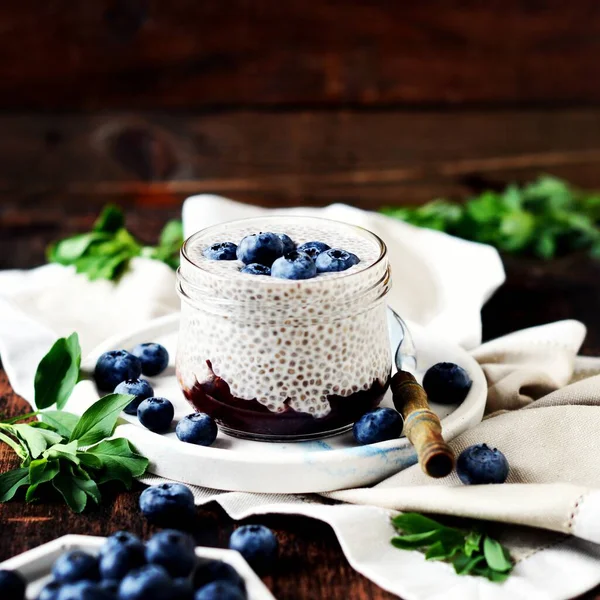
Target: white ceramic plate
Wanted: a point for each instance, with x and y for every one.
(34, 565)
(297, 467)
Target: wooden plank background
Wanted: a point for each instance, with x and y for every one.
(378, 102)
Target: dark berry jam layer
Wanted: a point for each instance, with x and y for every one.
(250, 419)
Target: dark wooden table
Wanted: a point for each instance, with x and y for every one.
(312, 565)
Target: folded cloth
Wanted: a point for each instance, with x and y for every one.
(549, 441)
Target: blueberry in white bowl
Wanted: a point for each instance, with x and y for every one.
(479, 464)
(75, 565)
(217, 570)
(153, 357)
(12, 585)
(221, 251)
(257, 544)
(294, 265)
(256, 269)
(219, 590)
(378, 425)
(117, 560)
(150, 582)
(123, 539)
(173, 550)
(156, 414)
(50, 591)
(197, 428)
(183, 589)
(168, 504)
(313, 249)
(116, 366)
(334, 260)
(83, 590)
(261, 248)
(139, 388)
(446, 383)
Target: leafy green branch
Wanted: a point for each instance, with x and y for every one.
(105, 252)
(470, 552)
(545, 218)
(63, 453)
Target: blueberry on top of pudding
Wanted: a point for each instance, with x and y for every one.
(294, 265)
(288, 244)
(221, 251)
(313, 249)
(262, 248)
(335, 260)
(256, 269)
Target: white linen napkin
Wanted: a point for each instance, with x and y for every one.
(441, 283)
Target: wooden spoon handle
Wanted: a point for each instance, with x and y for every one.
(421, 425)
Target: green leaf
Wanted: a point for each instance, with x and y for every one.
(43, 470)
(63, 451)
(67, 251)
(11, 481)
(57, 373)
(495, 555)
(88, 487)
(439, 551)
(100, 419)
(472, 542)
(37, 440)
(89, 460)
(411, 522)
(75, 497)
(62, 421)
(16, 444)
(415, 540)
(463, 564)
(172, 235)
(120, 461)
(111, 219)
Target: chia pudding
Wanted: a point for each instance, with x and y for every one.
(282, 359)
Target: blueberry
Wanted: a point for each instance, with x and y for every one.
(335, 260)
(217, 570)
(221, 251)
(12, 585)
(446, 383)
(154, 358)
(173, 550)
(313, 249)
(197, 428)
(122, 539)
(256, 269)
(50, 591)
(150, 582)
(378, 425)
(75, 565)
(83, 590)
(109, 585)
(139, 388)
(261, 248)
(480, 464)
(256, 543)
(288, 243)
(295, 265)
(168, 504)
(156, 414)
(182, 589)
(219, 590)
(116, 366)
(115, 563)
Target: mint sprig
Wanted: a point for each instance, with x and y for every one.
(546, 218)
(105, 252)
(470, 552)
(65, 454)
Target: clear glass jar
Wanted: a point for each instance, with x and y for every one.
(275, 359)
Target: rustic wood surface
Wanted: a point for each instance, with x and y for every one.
(312, 565)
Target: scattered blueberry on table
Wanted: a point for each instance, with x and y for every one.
(156, 414)
(333, 260)
(256, 269)
(168, 504)
(446, 383)
(313, 249)
(139, 388)
(114, 367)
(153, 357)
(263, 248)
(257, 544)
(221, 251)
(379, 425)
(294, 265)
(197, 428)
(12, 585)
(480, 464)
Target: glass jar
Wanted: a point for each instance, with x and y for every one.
(275, 359)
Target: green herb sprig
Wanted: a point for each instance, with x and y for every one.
(105, 252)
(546, 218)
(470, 552)
(64, 453)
